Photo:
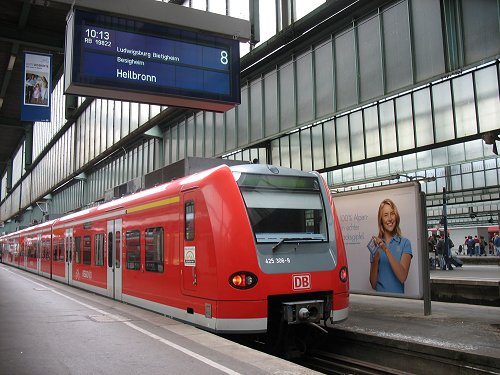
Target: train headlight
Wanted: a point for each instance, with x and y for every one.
(242, 280)
(343, 274)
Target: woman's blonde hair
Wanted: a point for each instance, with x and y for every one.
(381, 231)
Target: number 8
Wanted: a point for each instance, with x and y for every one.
(223, 57)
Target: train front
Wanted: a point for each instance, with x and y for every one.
(299, 246)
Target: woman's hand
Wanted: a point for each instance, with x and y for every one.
(381, 244)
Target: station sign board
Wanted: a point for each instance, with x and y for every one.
(130, 59)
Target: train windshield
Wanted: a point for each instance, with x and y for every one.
(284, 208)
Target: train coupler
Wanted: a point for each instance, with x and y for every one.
(303, 311)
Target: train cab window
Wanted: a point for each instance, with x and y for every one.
(99, 249)
(189, 221)
(133, 249)
(78, 249)
(282, 208)
(87, 252)
(154, 249)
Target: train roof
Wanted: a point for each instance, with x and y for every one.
(192, 170)
(38, 228)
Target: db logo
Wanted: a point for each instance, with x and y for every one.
(301, 282)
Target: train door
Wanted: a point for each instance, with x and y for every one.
(188, 245)
(68, 246)
(114, 259)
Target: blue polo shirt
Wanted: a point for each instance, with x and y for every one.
(387, 280)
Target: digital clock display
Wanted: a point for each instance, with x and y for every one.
(121, 58)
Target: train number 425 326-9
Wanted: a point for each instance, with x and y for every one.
(278, 261)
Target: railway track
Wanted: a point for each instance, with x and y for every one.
(330, 363)
(347, 353)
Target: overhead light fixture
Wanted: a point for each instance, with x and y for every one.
(11, 62)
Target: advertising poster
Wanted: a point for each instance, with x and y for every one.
(36, 87)
(358, 215)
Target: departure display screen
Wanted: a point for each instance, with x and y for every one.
(170, 65)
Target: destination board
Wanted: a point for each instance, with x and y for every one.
(121, 58)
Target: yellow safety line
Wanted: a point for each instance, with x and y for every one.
(147, 206)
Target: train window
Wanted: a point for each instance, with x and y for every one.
(281, 214)
(99, 249)
(154, 249)
(133, 249)
(118, 248)
(78, 249)
(110, 249)
(87, 252)
(38, 248)
(31, 250)
(189, 221)
(58, 251)
(61, 249)
(54, 249)
(46, 249)
(68, 249)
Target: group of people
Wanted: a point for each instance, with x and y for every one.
(472, 246)
(479, 246)
(437, 244)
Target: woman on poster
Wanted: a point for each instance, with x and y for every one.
(390, 262)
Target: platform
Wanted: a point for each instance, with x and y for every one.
(455, 332)
(470, 329)
(476, 282)
(50, 328)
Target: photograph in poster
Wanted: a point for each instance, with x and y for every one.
(35, 104)
(36, 80)
(382, 235)
(390, 264)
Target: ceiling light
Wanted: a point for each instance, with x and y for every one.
(11, 62)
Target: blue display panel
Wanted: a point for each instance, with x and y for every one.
(121, 58)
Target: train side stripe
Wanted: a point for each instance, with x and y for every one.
(159, 203)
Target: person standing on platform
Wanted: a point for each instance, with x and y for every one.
(470, 246)
(391, 261)
(496, 244)
(477, 248)
(445, 259)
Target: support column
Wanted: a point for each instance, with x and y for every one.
(28, 147)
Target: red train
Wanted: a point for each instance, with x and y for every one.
(235, 249)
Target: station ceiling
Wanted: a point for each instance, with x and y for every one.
(39, 26)
(27, 26)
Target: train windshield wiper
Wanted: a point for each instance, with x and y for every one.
(282, 241)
